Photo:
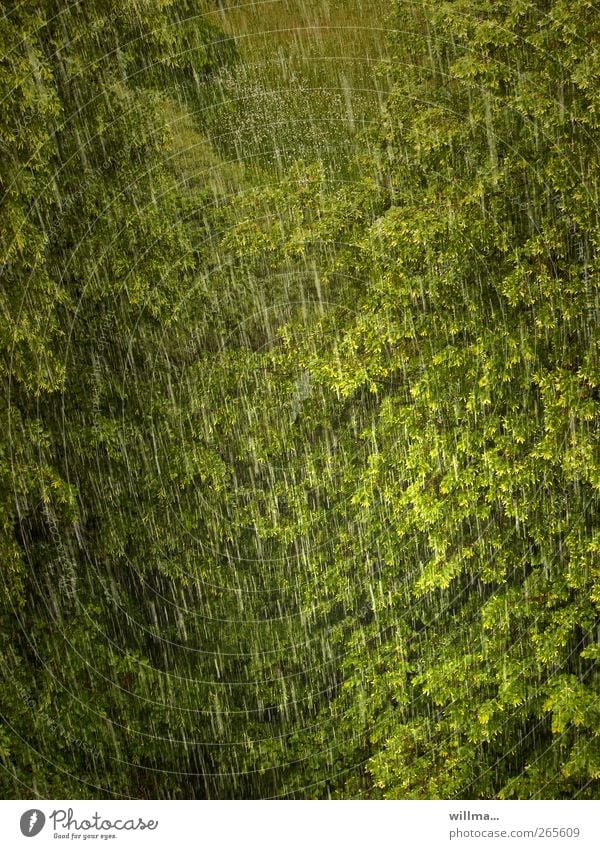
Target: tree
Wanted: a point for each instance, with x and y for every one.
(466, 262)
(98, 262)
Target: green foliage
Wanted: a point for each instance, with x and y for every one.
(98, 261)
(300, 475)
(464, 261)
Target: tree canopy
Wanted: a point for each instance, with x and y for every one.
(300, 481)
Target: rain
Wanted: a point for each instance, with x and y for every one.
(301, 392)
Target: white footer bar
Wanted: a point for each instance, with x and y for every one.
(301, 824)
